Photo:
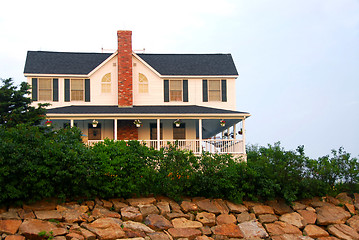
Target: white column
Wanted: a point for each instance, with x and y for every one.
(244, 135)
(200, 135)
(71, 122)
(115, 129)
(235, 131)
(158, 133)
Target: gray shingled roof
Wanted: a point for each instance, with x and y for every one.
(40, 62)
(192, 109)
(191, 64)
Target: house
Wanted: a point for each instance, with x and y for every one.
(187, 98)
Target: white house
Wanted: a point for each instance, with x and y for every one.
(187, 98)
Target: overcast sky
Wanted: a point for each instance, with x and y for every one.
(298, 60)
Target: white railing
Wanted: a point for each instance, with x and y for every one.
(222, 146)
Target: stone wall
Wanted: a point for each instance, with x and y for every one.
(161, 218)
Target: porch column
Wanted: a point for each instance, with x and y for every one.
(71, 123)
(200, 135)
(158, 133)
(115, 129)
(235, 131)
(244, 135)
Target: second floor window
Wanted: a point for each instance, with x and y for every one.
(106, 83)
(214, 90)
(142, 83)
(45, 89)
(77, 89)
(175, 90)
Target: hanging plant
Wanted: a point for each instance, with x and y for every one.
(222, 122)
(94, 123)
(48, 123)
(240, 132)
(177, 123)
(138, 123)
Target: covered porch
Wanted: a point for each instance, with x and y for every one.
(193, 128)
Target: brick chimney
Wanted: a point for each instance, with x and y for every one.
(124, 58)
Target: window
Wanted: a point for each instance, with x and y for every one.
(142, 83)
(77, 89)
(45, 89)
(175, 90)
(106, 83)
(179, 132)
(214, 90)
(153, 131)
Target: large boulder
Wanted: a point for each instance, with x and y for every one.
(315, 231)
(131, 213)
(343, 231)
(207, 219)
(327, 215)
(294, 219)
(253, 230)
(157, 222)
(185, 223)
(9, 226)
(280, 228)
(189, 233)
(30, 229)
(106, 228)
(229, 230)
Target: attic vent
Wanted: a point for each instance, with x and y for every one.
(134, 64)
(114, 64)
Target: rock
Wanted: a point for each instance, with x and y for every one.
(207, 219)
(84, 232)
(176, 215)
(15, 237)
(206, 230)
(262, 209)
(137, 226)
(184, 223)
(350, 208)
(118, 204)
(148, 209)
(327, 238)
(30, 228)
(343, 231)
(74, 213)
(315, 231)
(333, 200)
(310, 209)
(187, 206)
(280, 207)
(175, 206)
(203, 238)
(208, 206)
(130, 233)
(331, 215)
(267, 218)
(89, 204)
(106, 228)
(158, 236)
(107, 204)
(245, 217)
(226, 218)
(10, 215)
(74, 235)
(9, 226)
(344, 198)
(157, 222)
(164, 207)
(253, 229)
(26, 214)
(236, 208)
(309, 216)
(141, 201)
(47, 215)
(222, 206)
(317, 204)
(354, 222)
(298, 206)
(131, 213)
(189, 233)
(44, 205)
(291, 237)
(229, 230)
(280, 228)
(294, 219)
(100, 211)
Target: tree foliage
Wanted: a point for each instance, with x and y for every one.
(15, 105)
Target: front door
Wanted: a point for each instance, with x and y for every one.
(94, 132)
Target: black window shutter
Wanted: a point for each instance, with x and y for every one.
(55, 90)
(34, 89)
(87, 90)
(67, 90)
(166, 88)
(185, 90)
(224, 90)
(205, 90)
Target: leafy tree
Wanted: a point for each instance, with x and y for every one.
(15, 106)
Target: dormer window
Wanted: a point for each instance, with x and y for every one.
(106, 83)
(142, 83)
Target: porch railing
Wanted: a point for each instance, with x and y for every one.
(221, 146)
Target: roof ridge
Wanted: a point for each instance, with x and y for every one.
(69, 52)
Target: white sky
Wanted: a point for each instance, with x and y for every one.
(298, 59)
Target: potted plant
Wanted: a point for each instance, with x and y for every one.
(138, 123)
(94, 123)
(222, 122)
(48, 123)
(240, 132)
(177, 123)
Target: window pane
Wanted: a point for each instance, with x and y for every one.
(107, 78)
(179, 132)
(45, 83)
(77, 95)
(77, 84)
(214, 95)
(45, 89)
(176, 85)
(106, 88)
(143, 88)
(175, 95)
(45, 95)
(214, 85)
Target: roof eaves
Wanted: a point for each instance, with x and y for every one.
(146, 64)
(103, 63)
